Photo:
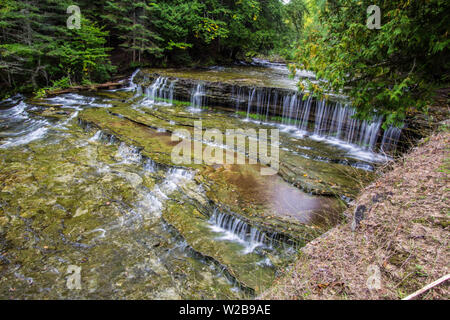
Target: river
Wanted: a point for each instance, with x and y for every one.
(93, 206)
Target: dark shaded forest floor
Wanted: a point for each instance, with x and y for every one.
(403, 233)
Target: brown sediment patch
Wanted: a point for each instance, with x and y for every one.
(242, 186)
(403, 233)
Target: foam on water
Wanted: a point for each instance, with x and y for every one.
(97, 136)
(160, 92)
(129, 155)
(27, 138)
(234, 229)
(16, 112)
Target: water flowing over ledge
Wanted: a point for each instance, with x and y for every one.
(292, 111)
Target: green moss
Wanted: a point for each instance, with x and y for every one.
(195, 229)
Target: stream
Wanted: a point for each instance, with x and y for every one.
(88, 184)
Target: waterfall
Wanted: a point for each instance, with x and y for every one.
(286, 102)
(129, 155)
(336, 122)
(369, 133)
(139, 92)
(325, 121)
(150, 165)
(268, 107)
(292, 107)
(238, 97)
(390, 139)
(131, 85)
(97, 136)
(321, 118)
(305, 114)
(234, 229)
(160, 92)
(198, 98)
(332, 122)
(251, 95)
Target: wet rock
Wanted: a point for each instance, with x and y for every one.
(198, 233)
(358, 216)
(133, 178)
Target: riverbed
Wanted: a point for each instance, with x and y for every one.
(93, 206)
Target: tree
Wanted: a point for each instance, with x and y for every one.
(295, 11)
(37, 48)
(388, 72)
(131, 21)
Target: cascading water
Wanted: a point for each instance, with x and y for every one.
(390, 139)
(160, 92)
(305, 114)
(128, 154)
(250, 100)
(333, 122)
(131, 85)
(237, 96)
(198, 98)
(234, 229)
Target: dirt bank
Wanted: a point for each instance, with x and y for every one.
(397, 231)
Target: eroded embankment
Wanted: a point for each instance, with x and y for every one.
(400, 228)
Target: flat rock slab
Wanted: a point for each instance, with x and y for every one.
(268, 201)
(248, 269)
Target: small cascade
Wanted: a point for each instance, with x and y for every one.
(369, 133)
(268, 106)
(139, 91)
(175, 177)
(160, 92)
(303, 124)
(234, 229)
(129, 155)
(335, 121)
(332, 122)
(390, 139)
(150, 165)
(237, 95)
(97, 136)
(251, 95)
(131, 85)
(198, 98)
(321, 118)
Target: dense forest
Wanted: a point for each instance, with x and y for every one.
(388, 70)
(37, 46)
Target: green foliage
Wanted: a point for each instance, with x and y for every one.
(295, 12)
(84, 57)
(62, 83)
(131, 22)
(387, 72)
(37, 48)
